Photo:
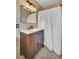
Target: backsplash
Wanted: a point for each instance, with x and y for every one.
(26, 26)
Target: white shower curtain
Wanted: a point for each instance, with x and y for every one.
(50, 21)
(57, 27)
(44, 21)
(48, 29)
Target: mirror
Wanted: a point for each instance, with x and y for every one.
(28, 16)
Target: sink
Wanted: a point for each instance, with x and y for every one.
(29, 31)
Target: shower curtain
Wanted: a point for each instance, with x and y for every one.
(44, 22)
(57, 29)
(50, 21)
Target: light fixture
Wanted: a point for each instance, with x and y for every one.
(29, 6)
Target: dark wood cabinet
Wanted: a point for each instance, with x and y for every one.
(30, 44)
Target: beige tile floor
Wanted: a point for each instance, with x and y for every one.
(44, 53)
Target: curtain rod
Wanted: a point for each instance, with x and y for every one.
(52, 6)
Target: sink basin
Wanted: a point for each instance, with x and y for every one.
(29, 31)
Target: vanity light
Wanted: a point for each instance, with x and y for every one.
(29, 6)
(29, 9)
(24, 7)
(34, 9)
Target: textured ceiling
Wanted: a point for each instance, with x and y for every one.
(41, 4)
(45, 3)
(36, 3)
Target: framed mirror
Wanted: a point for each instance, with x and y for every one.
(27, 16)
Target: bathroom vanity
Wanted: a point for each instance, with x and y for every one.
(31, 41)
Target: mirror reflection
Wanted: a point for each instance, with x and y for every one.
(28, 18)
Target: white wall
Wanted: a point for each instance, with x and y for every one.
(17, 18)
(23, 26)
(18, 3)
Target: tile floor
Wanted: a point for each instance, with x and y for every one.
(44, 53)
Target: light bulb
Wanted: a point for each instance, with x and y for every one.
(34, 9)
(31, 6)
(27, 5)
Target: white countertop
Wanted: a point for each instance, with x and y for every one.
(31, 31)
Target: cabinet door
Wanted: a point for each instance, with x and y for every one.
(41, 38)
(38, 36)
(31, 46)
(21, 43)
(25, 45)
(38, 39)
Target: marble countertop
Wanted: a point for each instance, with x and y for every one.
(30, 31)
